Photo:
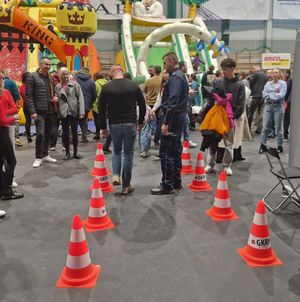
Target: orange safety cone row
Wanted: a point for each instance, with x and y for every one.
(99, 149)
(258, 251)
(221, 209)
(79, 270)
(200, 182)
(186, 162)
(98, 219)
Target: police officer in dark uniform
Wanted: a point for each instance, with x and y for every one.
(174, 103)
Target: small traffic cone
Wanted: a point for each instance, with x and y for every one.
(200, 182)
(99, 151)
(186, 162)
(258, 251)
(98, 219)
(221, 209)
(79, 270)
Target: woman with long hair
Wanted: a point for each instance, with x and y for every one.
(71, 109)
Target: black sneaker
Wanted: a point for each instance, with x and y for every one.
(261, 149)
(11, 194)
(279, 149)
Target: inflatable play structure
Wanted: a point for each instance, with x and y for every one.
(147, 35)
(59, 29)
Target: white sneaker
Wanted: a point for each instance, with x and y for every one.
(37, 163)
(209, 168)
(2, 213)
(228, 171)
(192, 144)
(144, 154)
(14, 184)
(49, 159)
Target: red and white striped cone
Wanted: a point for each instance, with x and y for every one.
(99, 151)
(79, 270)
(221, 209)
(258, 251)
(186, 162)
(200, 183)
(98, 219)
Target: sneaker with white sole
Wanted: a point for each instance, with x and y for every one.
(37, 163)
(192, 144)
(49, 159)
(116, 180)
(228, 171)
(2, 213)
(209, 168)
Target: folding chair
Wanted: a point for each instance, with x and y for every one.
(284, 177)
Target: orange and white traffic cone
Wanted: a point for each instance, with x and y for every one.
(186, 162)
(200, 183)
(79, 270)
(98, 219)
(258, 251)
(221, 209)
(99, 151)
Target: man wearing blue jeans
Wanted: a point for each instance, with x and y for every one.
(274, 93)
(118, 101)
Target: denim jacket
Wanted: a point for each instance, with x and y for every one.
(274, 92)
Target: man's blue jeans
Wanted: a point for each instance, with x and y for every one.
(276, 112)
(123, 137)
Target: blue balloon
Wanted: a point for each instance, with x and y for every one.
(200, 45)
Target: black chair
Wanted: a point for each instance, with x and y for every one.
(285, 177)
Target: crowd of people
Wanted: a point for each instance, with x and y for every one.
(160, 111)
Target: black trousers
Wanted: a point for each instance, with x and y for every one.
(83, 123)
(54, 129)
(7, 160)
(28, 121)
(66, 122)
(107, 143)
(286, 121)
(159, 120)
(43, 130)
(97, 122)
(170, 153)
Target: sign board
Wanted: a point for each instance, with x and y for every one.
(276, 61)
(108, 9)
(286, 9)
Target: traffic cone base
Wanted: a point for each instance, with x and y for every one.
(202, 188)
(252, 261)
(212, 213)
(86, 282)
(92, 227)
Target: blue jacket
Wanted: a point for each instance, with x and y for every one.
(88, 88)
(272, 94)
(12, 87)
(175, 96)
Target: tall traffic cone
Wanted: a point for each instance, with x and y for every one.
(186, 162)
(98, 219)
(258, 251)
(221, 209)
(79, 270)
(99, 151)
(200, 182)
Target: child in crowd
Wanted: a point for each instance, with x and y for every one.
(217, 121)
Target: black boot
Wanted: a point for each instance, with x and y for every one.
(76, 155)
(67, 156)
(237, 154)
(11, 194)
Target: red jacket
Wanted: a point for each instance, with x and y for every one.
(9, 105)
(4, 120)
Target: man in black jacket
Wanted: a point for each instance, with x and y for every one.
(233, 85)
(257, 84)
(173, 104)
(89, 91)
(118, 101)
(42, 104)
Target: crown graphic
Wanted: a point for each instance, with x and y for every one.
(76, 19)
(5, 14)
